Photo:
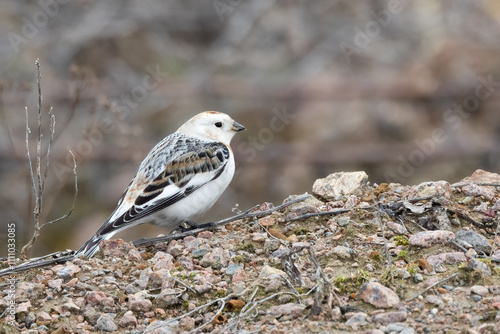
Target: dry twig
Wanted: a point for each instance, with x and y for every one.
(38, 183)
(323, 286)
(340, 211)
(251, 305)
(470, 220)
(290, 268)
(430, 287)
(316, 214)
(386, 249)
(222, 301)
(183, 284)
(244, 215)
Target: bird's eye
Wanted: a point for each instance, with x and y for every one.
(218, 124)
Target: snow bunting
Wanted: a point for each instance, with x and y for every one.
(179, 180)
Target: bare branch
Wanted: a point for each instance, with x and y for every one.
(290, 268)
(183, 284)
(223, 302)
(57, 257)
(386, 249)
(430, 287)
(38, 197)
(28, 131)
(38, 181)
(470, 220)
(340, 211)
(243, 215)
(381, 223)
(251, 305)
(322, 213)
(323, 287)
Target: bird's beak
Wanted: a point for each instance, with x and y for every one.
(237, 127)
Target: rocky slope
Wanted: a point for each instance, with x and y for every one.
(354, 258)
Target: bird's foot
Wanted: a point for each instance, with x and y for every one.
(189, 226)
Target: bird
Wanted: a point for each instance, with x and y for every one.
(178, 181)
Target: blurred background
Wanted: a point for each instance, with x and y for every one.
(407, 91)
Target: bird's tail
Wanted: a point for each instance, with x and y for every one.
(106, 231)
(91, 246)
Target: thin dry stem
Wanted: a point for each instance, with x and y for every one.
(251, 305)
(433, 285)
(232, 295)
(324, 286)
(244, 215)
(38, 180)
(381, 223)
(183, 284)
(28, 131)
(340, 211)
(386, 249)
(316, 214)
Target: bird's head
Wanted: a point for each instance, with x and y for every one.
(211, 125)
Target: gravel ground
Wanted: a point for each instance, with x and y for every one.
(355, 258)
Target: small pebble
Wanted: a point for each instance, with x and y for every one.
(343, 221)
(418, 278)
(106, 323)
(342, 252)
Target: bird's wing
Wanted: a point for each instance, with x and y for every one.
(180, 177)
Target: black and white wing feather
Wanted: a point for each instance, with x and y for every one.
(173, 170)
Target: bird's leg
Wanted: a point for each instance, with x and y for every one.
(193, 226)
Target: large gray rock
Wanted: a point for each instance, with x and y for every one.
(337, 185)
(478, 241)
(429, 238)
(378, 295)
